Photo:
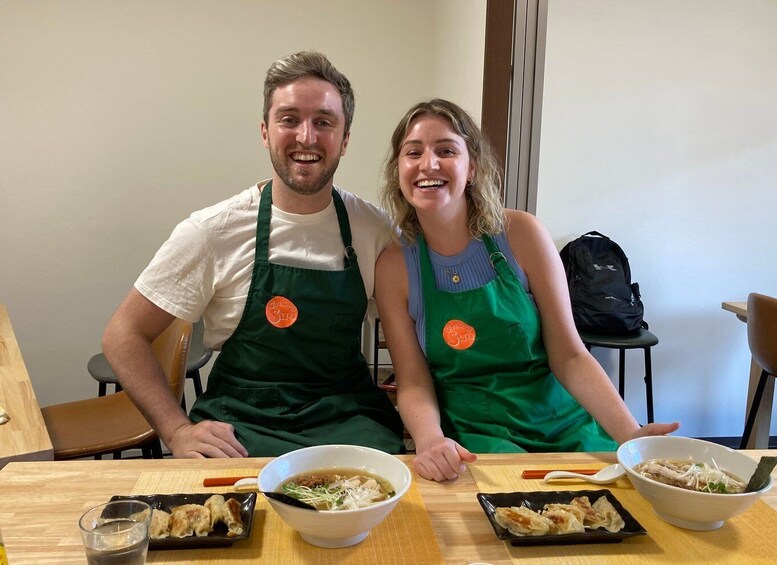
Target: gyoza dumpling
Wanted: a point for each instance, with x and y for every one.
(227, 512)
(592, 519)
(573, 508)
(563, 521)
(141, 516)
(160, 524)
(522, 521)
(612, 520)
(233, 519)
(215, 504)
(190, 519)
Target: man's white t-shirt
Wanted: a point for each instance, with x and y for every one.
(204, 269)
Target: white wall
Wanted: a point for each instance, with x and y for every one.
(659, 129)
(117, 119)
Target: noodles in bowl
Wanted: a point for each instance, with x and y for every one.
(689, 475)
(704, 509)
(310, 473)
(338, 489)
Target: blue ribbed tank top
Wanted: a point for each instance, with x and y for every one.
(472, 266)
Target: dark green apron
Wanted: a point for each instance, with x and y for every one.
(498, 394)
(284, 386)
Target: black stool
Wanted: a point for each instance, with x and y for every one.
(101, 371)
(640, 339)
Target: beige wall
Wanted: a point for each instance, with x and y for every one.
(117, 119)
(659, 129)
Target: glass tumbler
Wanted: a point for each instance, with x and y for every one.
(116, 533)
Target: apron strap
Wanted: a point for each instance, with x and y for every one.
(345, 230)
(497, 258)
(428, 285)
(263, 226)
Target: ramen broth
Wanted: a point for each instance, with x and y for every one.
(690, 475)
(338, 489)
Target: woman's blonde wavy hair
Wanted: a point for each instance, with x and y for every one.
(485, 210)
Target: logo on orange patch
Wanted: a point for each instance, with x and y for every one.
(281, 312)
(458, 335)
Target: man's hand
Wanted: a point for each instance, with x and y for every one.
(443, 459)
(206, 439)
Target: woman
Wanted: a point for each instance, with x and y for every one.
(476, 312)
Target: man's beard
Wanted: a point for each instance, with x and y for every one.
(307, 185)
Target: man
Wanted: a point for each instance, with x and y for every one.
(280, 274)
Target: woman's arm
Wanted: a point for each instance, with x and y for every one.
(570, 361)
(437, 457)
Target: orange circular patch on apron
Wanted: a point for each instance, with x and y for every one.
(458, 335)
(281, 312)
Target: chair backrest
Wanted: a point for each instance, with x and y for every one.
(80, 428)
(199, 355)
(171, 348)
(762, 330)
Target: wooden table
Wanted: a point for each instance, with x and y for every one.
(24, 436)
(40, 503)
(759, 438)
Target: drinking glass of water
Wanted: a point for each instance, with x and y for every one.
(116, 533)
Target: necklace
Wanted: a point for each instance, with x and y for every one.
(455, 278)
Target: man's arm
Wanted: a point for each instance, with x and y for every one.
(127, 347)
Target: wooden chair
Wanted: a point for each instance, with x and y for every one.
(112, 423)
(199, 356)
(762, 340)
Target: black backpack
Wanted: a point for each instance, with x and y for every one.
(604, 300)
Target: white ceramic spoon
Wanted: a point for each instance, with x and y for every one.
(609, 474)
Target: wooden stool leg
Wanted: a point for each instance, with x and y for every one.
(195, 377)
(375, 350)
(621, 371)
(753, 412)
(649, 385)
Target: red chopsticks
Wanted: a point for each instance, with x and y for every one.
(224, 481)
(540, 473)
(526, 474)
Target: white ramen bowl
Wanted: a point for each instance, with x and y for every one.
(337, 528)
(685, 508)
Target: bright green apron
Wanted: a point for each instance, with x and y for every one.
(496, 393)
(295, 377)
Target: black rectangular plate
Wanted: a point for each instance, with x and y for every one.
(216, 538)
(537, 500)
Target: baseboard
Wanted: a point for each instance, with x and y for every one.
(733, 442)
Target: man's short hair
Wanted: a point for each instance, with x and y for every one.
(308, 64)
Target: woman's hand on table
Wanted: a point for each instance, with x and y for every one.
(442, 459)
(206, 439)
(655, 430)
